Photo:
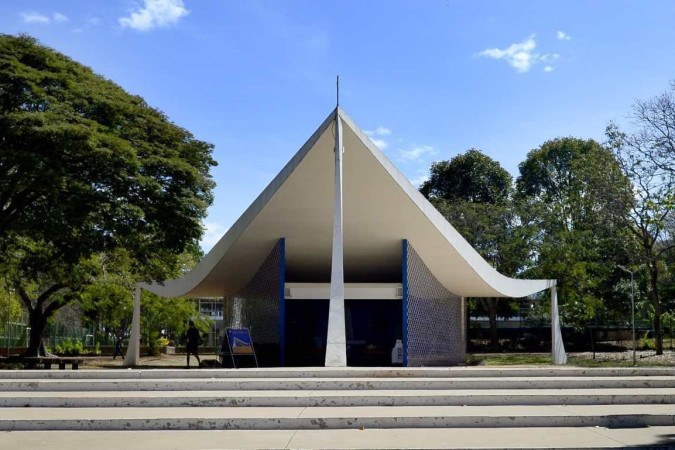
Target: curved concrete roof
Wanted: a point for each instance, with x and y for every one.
(381, 207)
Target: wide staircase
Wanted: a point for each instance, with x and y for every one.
(325, 398)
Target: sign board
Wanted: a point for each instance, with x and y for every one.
(240, 341)
(237, 342)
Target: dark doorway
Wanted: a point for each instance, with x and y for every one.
(373, 326)
(306, 330)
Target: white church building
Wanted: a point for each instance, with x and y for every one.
(341, 256)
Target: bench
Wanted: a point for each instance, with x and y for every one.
(46, 362)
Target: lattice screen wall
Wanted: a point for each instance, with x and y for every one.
(257, 305)
(435, 325)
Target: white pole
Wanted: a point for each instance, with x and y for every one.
(632, 305)
(558, 355)
(336, 341)
(632, 313)
(132, 358)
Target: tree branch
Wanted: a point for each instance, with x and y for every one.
(54, 306)
(25, 299)
(48, 292)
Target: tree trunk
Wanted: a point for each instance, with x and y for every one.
(39, 311)
(38, 323)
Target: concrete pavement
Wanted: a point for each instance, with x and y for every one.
(534, 438)
(289, 418)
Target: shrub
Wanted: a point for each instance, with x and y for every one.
(69, 347)
(156, 345)
(646, 344)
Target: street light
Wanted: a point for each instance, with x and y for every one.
(632, 305)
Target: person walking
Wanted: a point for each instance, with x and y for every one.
(192, 343)
(118, 347)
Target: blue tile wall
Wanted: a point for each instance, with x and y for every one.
(256, 306)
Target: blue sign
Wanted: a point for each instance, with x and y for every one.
(240, 341)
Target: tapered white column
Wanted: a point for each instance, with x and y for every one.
(132, 358)
(336, 341)
(558, 355)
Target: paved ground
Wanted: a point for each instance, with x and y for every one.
(645, 357)
(147, 362)
(663, 437)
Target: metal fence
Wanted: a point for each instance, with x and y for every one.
(13, 334)
(16, 335)
(57, 333)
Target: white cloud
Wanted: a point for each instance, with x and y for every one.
(520, 55)
(379, 131)
(417, 181)
(33, 17)
(153, 14)
(416, 153)
(213, 231)
(549, 57)
(562, 36)
(93, 21)
(381, 143)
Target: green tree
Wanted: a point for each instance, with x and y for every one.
(647, 156)
(574, 194)
(86, 168)
(107, 302)
(10, 306)
(473, 192)
(168, 317)
(469, 177)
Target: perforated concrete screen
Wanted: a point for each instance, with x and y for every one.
(434, 320)
(257, 306)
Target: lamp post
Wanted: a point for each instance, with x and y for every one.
(632, 305)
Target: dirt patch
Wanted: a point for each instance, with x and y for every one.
(147, 362)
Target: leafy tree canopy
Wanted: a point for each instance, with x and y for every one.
(575, 195)
(578, 182)
(473, 192)
(471, 176)
(87, 167)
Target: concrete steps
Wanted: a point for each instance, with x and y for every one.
(314, 384)
(349, 372)
(460, 397)
(298, 418)
(321, 399)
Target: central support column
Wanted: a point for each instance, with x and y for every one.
(558, 354)
(336, 342)
(132, 358)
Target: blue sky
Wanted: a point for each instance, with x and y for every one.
(428, 79)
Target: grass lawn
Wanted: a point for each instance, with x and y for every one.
(508, 359)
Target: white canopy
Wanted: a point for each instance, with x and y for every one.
(381, 207)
